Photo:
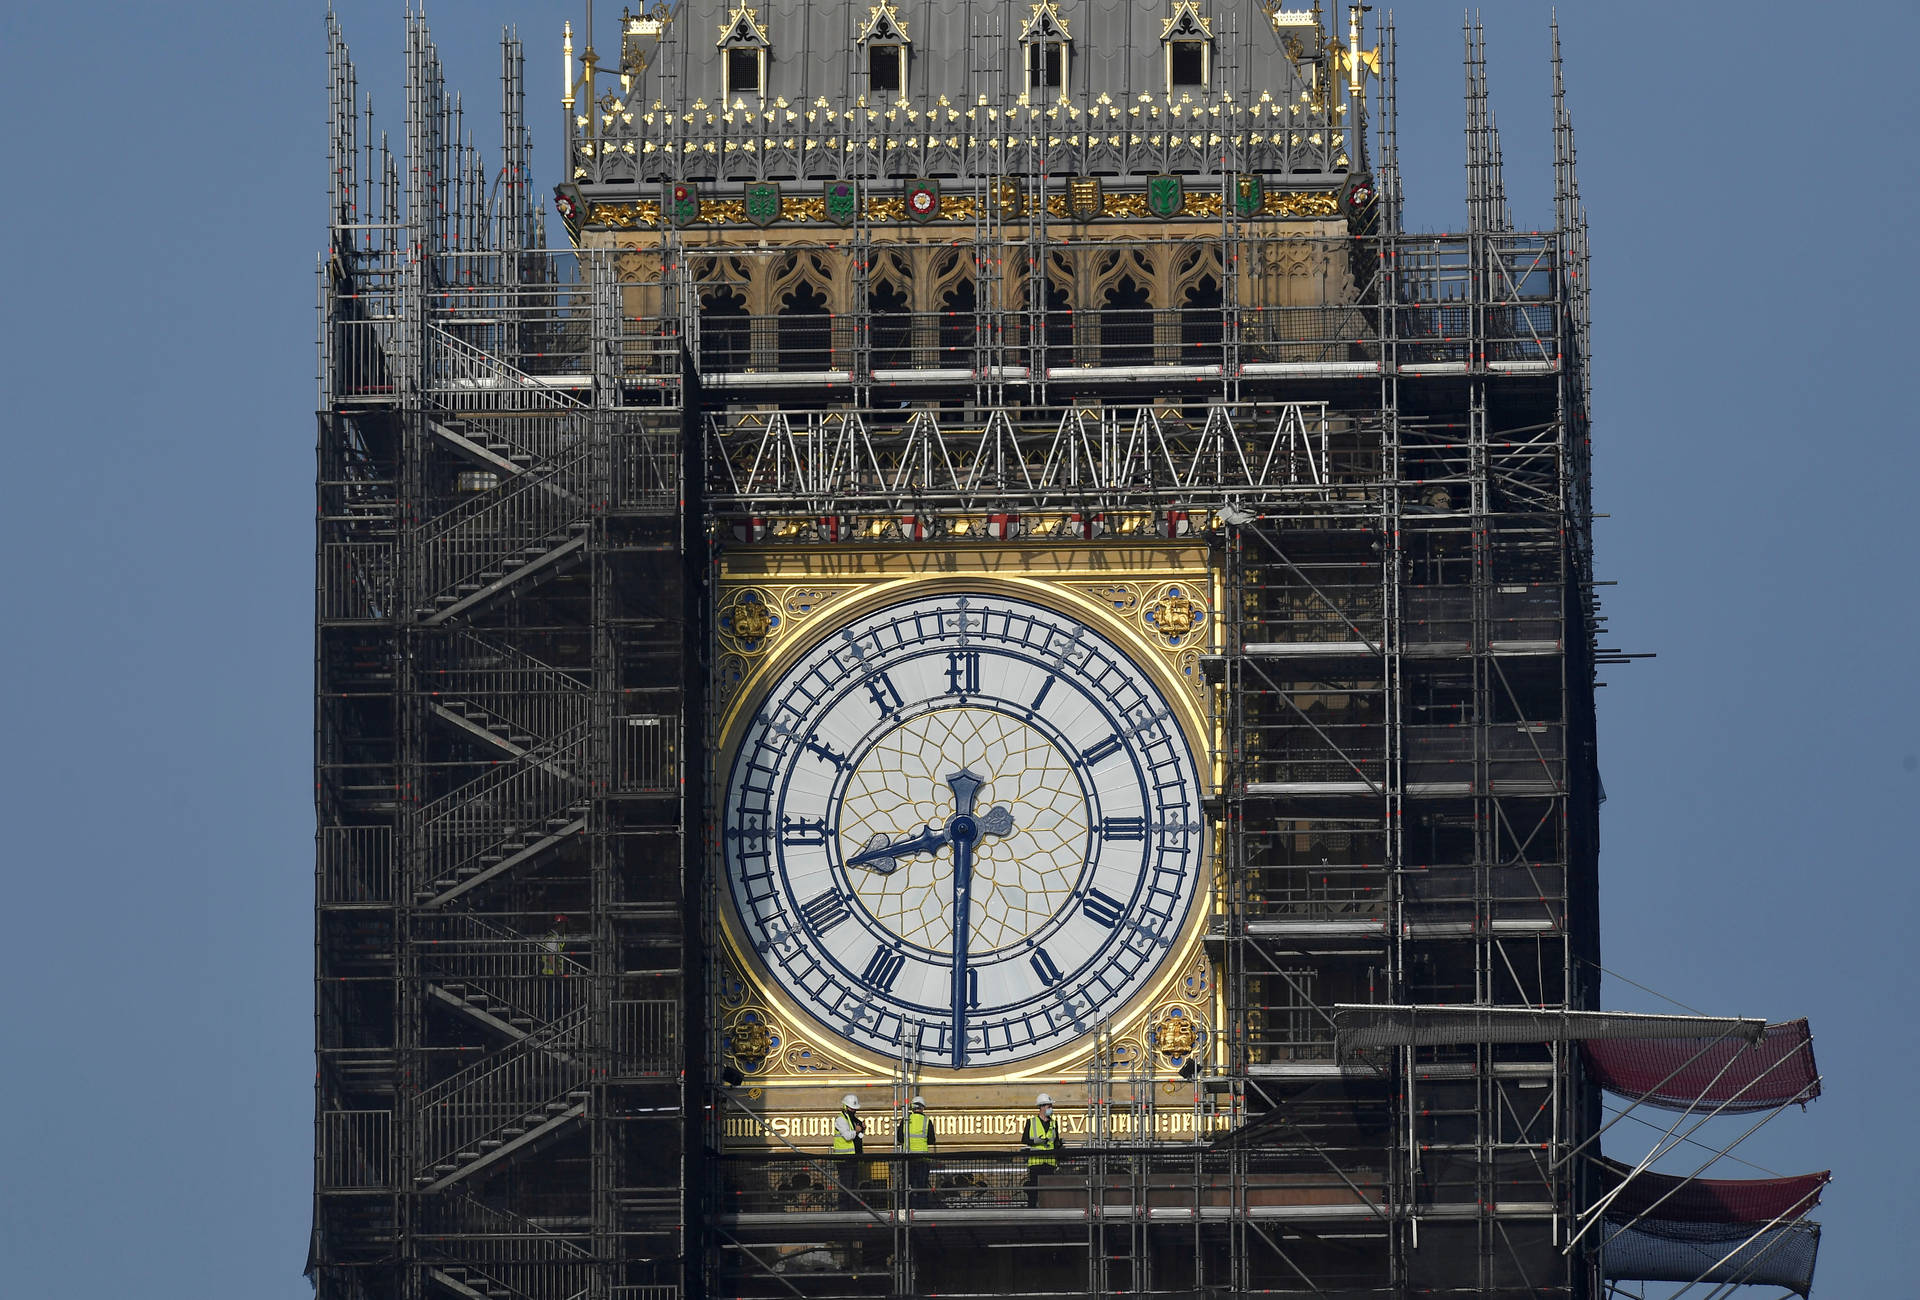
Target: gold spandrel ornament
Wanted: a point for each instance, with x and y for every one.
(1176, 1034)
(730, 674)
(1179, 1032)
(747, 621)
(1176, 614)
(751, 1037)
(805, 1058)
(1121, 597)
(1198, 986)
(1188, 664)
(802, 601)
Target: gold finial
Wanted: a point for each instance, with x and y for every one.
(1358, 62)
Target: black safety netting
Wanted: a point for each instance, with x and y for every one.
(1730, 1073)
(1709, 1200)
(1662, 1250)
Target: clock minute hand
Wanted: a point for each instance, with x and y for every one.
(964, 830)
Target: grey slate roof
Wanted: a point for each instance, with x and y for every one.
(967, 109)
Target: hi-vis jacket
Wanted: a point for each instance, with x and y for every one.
(915, 1132)
(1041, 1137)
(846, 1134)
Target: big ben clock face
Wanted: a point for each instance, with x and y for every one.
(963, 825)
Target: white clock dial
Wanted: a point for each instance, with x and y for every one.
(964, 825)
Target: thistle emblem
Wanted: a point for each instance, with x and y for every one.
(841, 202)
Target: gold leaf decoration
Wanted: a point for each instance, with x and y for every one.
(625, 216)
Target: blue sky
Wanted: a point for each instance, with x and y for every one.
(1750, 177)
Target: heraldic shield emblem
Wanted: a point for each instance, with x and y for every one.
(840, 202)
(683, 205)
(1249, 196)
(763, 203)
(1166, 195)
(923, 200)
(1084, 201)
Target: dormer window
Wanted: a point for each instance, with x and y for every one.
(1046, 64)
(1188, 39)
(885, 40)
(744, 49)
(1049, 51)
(743, 71)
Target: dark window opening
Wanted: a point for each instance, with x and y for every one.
(1200, 325)
(743, 71)
(723, 331)
(1059, 325)
(1046, 62)
(806, 331)
(1189, 68)
(891, 335)
(883, 67)
(957, 325)
(1126, 325)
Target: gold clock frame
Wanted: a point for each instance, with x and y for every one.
(1159, 603)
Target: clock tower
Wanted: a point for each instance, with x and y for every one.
(961, 555)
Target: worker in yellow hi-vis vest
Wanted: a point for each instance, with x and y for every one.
(915, 1135)
(849, 1139)
(1040, 1137)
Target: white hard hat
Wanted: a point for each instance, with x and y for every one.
(919, 1101)
(1043, 1100)
(850, 1101)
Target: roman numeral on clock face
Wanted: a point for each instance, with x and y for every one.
(963, 672)
(1105, 749)
(884, 694)
(1124, 828)
(883, 970)
(1102, 910)
(824, 911)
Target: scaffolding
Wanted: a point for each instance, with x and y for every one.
(533, 461)
(501, 633)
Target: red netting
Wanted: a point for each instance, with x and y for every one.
(1677, 1073)
(1711, 1200)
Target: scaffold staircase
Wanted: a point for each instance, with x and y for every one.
(482, 550)
(496, 1254)
(506, 698)
(509, 983)
(501, 820)
(512, 1101)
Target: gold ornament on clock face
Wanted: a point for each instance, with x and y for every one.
(965, 826)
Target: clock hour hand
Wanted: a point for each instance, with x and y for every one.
(966, 786)
(881, 854)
